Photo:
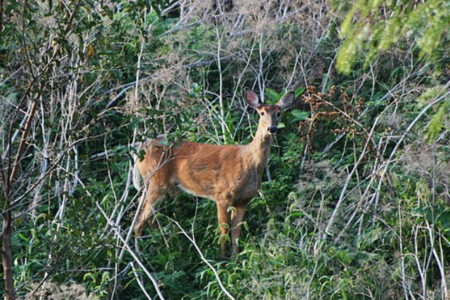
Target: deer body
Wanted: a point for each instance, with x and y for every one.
(230, 175)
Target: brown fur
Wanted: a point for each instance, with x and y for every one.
(229, 175)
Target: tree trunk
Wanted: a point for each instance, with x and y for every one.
(7, 255)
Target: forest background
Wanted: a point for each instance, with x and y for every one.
(355, 199)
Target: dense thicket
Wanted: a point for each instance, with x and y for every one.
(355, 199)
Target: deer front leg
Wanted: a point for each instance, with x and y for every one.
(224, 225)
(236, 226)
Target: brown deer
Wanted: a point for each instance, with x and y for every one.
(230, 175)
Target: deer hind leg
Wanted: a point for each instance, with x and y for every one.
(236, 226)
(153, 196)
(224, 225)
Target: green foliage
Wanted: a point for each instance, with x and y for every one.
(372, 27)
(357, 203)
(436, 124)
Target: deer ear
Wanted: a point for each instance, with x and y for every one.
(252, 99)
(287, 100)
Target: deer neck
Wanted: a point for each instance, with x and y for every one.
(258, 151)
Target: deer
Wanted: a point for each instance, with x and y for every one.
(230, 175)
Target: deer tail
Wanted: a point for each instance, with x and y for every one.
(136, 175)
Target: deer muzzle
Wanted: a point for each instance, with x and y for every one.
(272, 129)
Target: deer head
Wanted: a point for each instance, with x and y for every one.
(270, 115)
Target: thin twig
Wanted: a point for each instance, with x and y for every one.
(194, 243)
(127, 247)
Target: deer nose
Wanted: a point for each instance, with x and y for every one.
(272, 129)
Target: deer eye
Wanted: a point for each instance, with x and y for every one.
(262, 113)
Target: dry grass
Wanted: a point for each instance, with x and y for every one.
(53, 291)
